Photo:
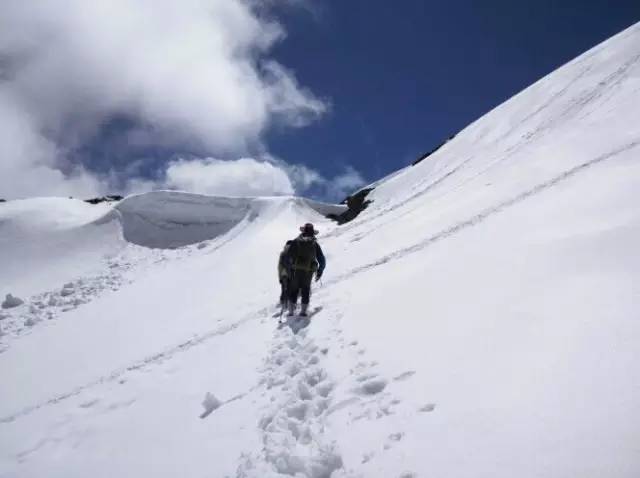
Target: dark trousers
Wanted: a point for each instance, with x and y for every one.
(300, 284)
(284, 289)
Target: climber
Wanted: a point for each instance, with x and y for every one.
(283, 275)
(304, 258)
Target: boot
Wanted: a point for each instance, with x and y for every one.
(303, 309)
(292, 309)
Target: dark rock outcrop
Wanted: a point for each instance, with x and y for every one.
(109, 198)
(356, 203)
(426, 155)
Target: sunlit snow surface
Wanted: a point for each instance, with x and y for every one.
(479, 319)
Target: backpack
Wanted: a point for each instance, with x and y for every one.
(303, 254)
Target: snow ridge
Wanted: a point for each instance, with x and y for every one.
(171, 219)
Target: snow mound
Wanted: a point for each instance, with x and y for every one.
(210, 404)
(11, 301)
(64, 239)
(46, 241)
(168, 219)
(46, 214)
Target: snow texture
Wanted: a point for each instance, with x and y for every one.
(478, 319)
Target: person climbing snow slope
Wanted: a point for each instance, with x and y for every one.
(304, 258)
(283, 275)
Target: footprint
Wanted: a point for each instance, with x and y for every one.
(265, 421)
(89, 403)
(304, 436)
(121, 404)
(367, 457)
(404, 376)
(429, 407)
(313, 378)
(342, 404)
(293, 427)
(393, 438)
(293, 369)
(372, 386)
(303, 391)
(321, 406)
(298, 411)
(324, 389)
(365, 377)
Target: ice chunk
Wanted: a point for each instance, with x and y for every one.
(210, 403)
(11, 301)
(67, 289)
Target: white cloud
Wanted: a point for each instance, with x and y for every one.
(242, 177)
(27, 160)
(193, 71)
(344, 184)
(302, 177)
(249, 177)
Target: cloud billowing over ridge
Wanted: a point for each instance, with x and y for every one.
(249, 177)
(192, 72)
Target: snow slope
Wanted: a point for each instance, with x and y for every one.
(44, 241)
(479, 319)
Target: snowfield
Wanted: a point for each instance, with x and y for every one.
(479, 319)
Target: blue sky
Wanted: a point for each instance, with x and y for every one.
(402, 76)
(231, 97)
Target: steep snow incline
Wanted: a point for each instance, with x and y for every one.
(479, 319)
(582, 115)
(503, 270)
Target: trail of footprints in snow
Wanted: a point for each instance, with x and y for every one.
(292, 426)
(301, 395)
(50, 305)
(372, 398)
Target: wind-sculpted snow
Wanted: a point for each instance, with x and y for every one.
(169, 219)
(478, 319)
(166, 219)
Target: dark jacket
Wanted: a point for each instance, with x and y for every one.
(319, 255)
